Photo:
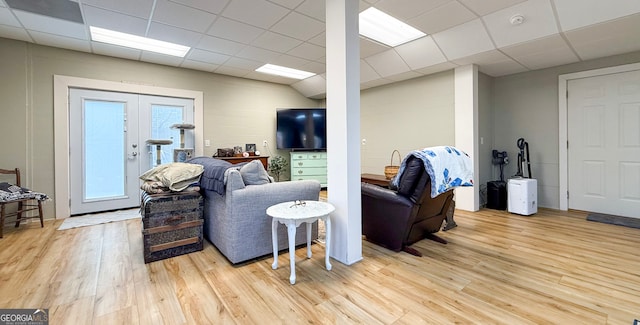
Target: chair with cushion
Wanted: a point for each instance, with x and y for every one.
(397, 218)
(26, 200)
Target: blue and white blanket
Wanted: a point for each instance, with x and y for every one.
(447, 166)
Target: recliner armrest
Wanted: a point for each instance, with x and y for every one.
(379, 193)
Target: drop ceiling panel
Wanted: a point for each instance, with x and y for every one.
(308, 51)
(207, 57)
(574, 14)
(421, 53)
(404, 76)
(173, 34)
(613, 37)
(180, 16)
(369, 47)
(290, 61)
(231, 71)
(407, 9)
(446, 16)
(464, 40)
(299, 26)
(276, 42)
(542, 53)
(257, 54)
(14, 33)
(315, 67)
(437, 68)
(367, 73)
(258, 13)
(161, 59)
(55, 40)
(387, 63)
(197, 65)
(538, 22)
(216, 44)
(493, 63)
(233, 30)
(314, 9)
(7, 19)
(483, 7)
(214, 7)
(312, 86)
(51, 26)
(115, 21)
(291, 4)
(241, 63)
(115, 51)
(138, 8)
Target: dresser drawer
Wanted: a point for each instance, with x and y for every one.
(308, 163)
(308, 155)
(320, 178)
(308, 171)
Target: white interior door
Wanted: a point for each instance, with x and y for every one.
(108, 131)
(604, 144)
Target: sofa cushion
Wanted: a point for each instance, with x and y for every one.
(253, 173)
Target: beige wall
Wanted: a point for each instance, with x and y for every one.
(236, 111)
(526, 105)
(406, 115)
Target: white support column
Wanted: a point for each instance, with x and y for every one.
(343, 129)
(466, 133)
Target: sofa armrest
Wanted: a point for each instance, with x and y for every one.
(234, 181)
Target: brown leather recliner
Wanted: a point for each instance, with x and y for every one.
(397, 218)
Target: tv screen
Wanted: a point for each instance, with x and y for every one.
(301, 128)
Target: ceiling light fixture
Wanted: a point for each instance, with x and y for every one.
(385, 29)
(137, 42)
(284, 71)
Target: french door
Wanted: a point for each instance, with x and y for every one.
(108, 151)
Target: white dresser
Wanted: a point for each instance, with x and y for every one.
(309, 165)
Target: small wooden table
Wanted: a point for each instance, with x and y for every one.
(375, 179)
(293, 214)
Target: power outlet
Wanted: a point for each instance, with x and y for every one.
(264, 143)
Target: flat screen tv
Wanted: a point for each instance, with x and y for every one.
(301, 128)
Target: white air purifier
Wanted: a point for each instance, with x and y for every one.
(522, 196)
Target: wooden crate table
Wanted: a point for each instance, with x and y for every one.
(171, 224)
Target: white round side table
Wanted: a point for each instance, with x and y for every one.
(292, 214)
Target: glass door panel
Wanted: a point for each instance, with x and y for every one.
(104, 150)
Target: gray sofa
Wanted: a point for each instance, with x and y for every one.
(236, 221)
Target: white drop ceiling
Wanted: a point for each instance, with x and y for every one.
(234, 37)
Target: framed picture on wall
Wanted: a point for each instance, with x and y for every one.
(250, 147)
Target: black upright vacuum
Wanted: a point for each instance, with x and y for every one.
(524, 147)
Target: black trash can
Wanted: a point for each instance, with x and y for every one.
(497, 195)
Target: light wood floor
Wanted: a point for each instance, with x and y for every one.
(548, 268)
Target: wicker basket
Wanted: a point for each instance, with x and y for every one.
(392, 170)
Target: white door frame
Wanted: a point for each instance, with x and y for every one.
(61, 85)
(563, 138)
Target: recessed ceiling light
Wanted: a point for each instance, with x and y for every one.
(385, 29)
(137, 42)
(284, 71)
